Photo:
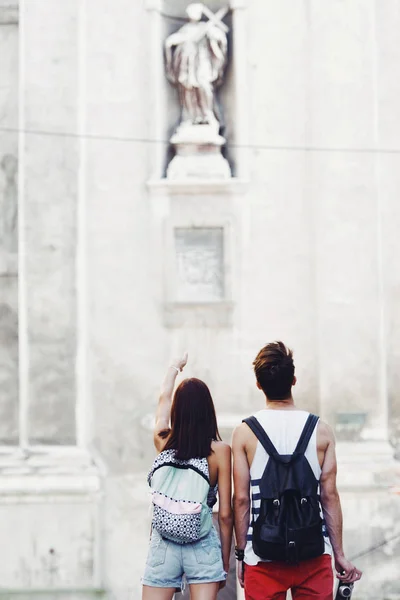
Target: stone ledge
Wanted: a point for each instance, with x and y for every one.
(207, 314)
(66, 460)
(200, 187)
(367, 465)
(31, 474)
(358, 451)
(31, 489)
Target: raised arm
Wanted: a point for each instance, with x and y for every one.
(332, 509)
(164, 403)
(241, 492)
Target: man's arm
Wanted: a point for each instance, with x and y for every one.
(225, 516)
(241, 493)
(332, 509)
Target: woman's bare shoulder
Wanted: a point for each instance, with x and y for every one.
(221, 449)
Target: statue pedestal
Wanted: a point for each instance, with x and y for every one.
(198, 154)
(195, 241)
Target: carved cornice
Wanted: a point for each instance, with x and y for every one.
(9, 12)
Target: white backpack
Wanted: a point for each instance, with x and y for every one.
(179, 495)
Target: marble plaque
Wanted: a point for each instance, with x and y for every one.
(200, 264)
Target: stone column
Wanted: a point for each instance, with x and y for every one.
(352, 356)
(50, 489)
(50, 219)
(9, 296)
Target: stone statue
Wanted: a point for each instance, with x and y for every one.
(9, 237)
(195, 61)
(196, 56)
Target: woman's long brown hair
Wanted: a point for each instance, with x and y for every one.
(193, 421)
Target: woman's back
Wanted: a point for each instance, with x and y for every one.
(192, 466)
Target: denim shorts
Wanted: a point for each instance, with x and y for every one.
(167, 562)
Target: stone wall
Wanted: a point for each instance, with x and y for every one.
(310, 237)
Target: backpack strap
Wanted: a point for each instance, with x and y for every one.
(306, 434)
(262, 436)
(269, 447)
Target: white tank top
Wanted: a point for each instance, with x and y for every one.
(284, 427)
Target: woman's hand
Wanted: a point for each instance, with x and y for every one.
(179, 363)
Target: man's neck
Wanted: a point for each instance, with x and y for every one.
(287, 404)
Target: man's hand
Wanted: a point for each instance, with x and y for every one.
(240, 572)
(346, 571)
(179, 363)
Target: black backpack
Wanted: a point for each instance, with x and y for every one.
(289, 525)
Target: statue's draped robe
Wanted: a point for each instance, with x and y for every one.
(199, 57)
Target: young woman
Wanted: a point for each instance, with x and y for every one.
(189, 429)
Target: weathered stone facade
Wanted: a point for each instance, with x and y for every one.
(93, 302)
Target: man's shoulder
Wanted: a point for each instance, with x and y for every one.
(325, 436)
(241, 434)
(325, 430)
(244, 437)
(240, 428)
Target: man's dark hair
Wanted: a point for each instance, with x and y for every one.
(274, 370)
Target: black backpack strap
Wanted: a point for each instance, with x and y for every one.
(306, 434)
(261, 435)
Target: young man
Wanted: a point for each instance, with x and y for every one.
(283, 423)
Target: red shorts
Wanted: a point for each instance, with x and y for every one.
(271, 580)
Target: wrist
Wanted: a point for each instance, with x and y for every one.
(239, 553)
(177, 369)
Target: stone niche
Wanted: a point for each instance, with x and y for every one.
(199, 179)
(213, 150)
